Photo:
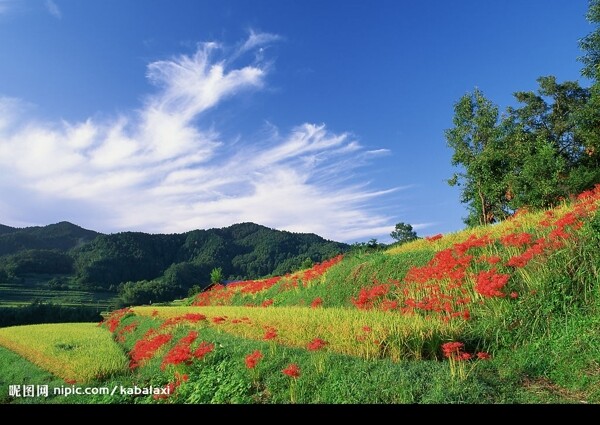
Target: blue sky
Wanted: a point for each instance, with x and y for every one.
(308, 116)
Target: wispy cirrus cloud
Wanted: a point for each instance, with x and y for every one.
(156, 169)
(53, 8)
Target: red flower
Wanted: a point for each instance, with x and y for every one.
(368, 296)
(489, 283)
(493, 259)
(483, 356)
(145, 348)
(434, 237)
(253, 359)
(316, 344)
(366, 329)
(270, 333)
(514, 295)
(388, 305)
(293, 371)
(114, 320)
(464, 356)
(181, 352)
(452, 349)
(516, 239)
(317, 302)
(203, 349)
(267, 303)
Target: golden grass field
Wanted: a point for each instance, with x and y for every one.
(75, 352)
(366, 334)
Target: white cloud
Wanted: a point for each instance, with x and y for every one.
(53, 8)
(257, 40)
(156, 169)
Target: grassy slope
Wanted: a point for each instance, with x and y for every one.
(540, 323)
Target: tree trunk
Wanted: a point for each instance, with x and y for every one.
(483, 211)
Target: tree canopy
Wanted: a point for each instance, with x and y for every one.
(534, 154)
(403, 232)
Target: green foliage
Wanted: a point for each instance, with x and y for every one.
(403, 233)
(67, 257)
(480, 152)
(183, 275)
(244, 250)
(537, 154)
(590, 44)
(148, 291)
(37, 312)
(546, 149)
(15, 370)
(587, 119)
(307, 263)
(37, 261)
(61, 236)
(129, 256)
(216, 275)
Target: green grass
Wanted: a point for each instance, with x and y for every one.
(326, 377)
(15, 370)
(329, 377)
(341, 282)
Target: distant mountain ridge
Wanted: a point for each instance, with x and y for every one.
(61, 236)
(87, 259)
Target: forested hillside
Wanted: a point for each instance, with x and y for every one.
(144, 267)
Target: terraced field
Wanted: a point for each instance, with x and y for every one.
(33, 289)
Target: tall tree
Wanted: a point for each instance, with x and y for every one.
(588, 117)
(479, 150)
(403, 232)
(548, 153)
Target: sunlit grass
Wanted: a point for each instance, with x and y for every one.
(76, 352)
(366, 334)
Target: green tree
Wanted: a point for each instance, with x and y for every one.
(590, 44)
(403, 233)
(480, 151)
(588, 117)
(548, 159)
(307, 263)
(216, 275)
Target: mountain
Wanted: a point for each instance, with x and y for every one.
(160, 265)
(245, 250)
(6, 229)
(60, 236)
